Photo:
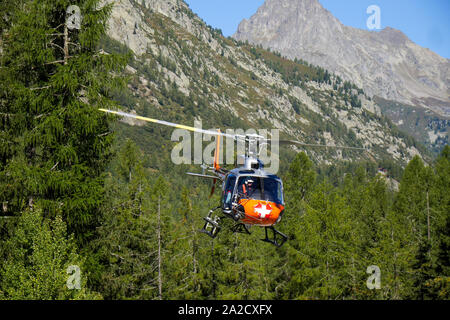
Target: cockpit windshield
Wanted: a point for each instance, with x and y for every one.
(259, 188)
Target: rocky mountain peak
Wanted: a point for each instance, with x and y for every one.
(393, 36)
(277, 16)
(385, 64)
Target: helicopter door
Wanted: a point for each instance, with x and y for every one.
(228, 191)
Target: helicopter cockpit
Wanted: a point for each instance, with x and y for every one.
(260, 188)
(266, 188)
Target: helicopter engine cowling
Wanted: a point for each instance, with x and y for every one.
(253, 164)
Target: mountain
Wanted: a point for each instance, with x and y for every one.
(184, 70)
(386, 64)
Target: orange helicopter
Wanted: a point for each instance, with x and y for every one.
(251, 196)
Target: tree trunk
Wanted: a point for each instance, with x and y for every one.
(159, 249)
(66, 44)
(428, 217)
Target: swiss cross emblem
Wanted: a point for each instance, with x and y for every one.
(263, 210)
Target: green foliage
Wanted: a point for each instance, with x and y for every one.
(55, 143)
(136, 217)
(37, 259)
(148, 239)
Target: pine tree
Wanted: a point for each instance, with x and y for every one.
(369, 202)
(55, 144)
(37, 261)
(127, 243)
(415, 205)
(438, 287)
(298, 183)
(183, 253)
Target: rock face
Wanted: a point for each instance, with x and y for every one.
(385, 64)
(128, 23)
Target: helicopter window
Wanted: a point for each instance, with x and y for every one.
(273, 190)
(259, 188)
(246, 172)
(228, 191)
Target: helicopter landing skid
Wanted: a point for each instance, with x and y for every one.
(274, 239)
(240, 228)
(211, 226)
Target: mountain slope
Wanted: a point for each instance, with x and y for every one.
(185, 70)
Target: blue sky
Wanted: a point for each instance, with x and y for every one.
(426, 22)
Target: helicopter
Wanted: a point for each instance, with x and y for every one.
(251, 196)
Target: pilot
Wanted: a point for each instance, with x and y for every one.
(247, 187)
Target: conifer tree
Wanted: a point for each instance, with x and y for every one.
(298, 183)
(438, 286)
(413, 207)
(38, 260)
(369, 203)
(55, 144)
(127, 243)
(183, 254)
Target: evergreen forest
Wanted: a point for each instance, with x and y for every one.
(84, 194)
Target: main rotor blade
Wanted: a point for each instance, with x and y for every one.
(218, 133)
(170, 124)
(298, 143)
